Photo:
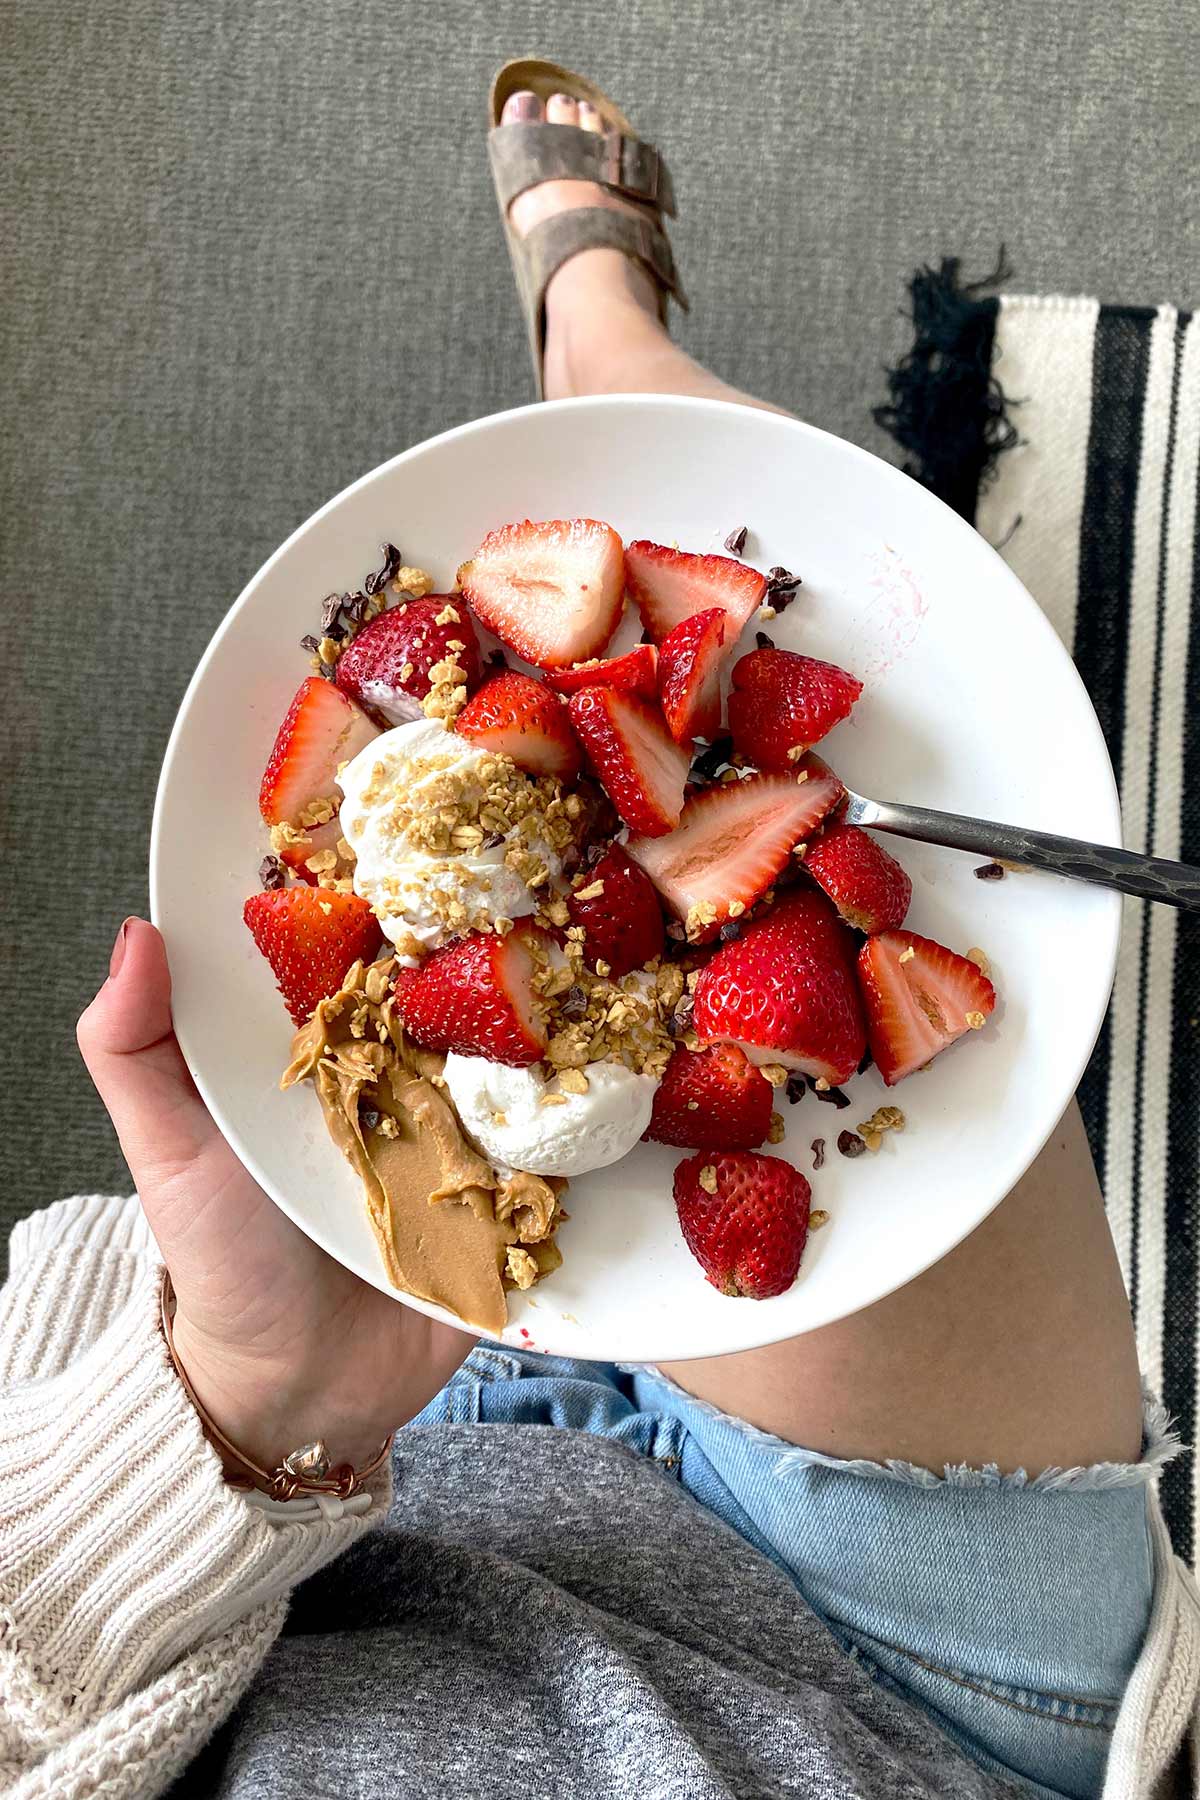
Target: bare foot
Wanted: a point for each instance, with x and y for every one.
(599, 298)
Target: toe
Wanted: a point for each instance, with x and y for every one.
(589, 118)
(521, 108)
(562, 110)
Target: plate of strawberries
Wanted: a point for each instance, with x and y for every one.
(503, 830)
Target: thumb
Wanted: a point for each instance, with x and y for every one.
(127, 1041)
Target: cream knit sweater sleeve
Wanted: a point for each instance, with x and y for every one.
(138, 1593)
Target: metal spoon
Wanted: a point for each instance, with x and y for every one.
(1150, 877)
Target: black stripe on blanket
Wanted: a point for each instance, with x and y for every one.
(1119, 366)
(1181, 1300)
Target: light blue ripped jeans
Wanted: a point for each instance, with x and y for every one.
(1011, 1609)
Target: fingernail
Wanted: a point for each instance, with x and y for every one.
(118, 950)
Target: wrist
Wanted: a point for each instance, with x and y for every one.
(268, 1407)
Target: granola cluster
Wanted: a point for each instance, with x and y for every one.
(331, 866)
(591, 1018)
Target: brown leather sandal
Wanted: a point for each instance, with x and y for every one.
(524, 155)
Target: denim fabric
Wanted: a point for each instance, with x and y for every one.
(1010, 1609)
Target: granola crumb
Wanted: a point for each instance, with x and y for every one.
(328, 650)
(800, 851)
(520, 1267)
(795, 753)
(708, 1178)
(736, 908)
(417, 582)
(592, 892)
(767, 612)
(976, 1020)
(775, 1130)
(980, 959)
(603, 969)
(499, 1118)
(325, 906)
(573, 1081)
(907, 955)
(553, 1100)
(449, 615)
(503, 926)
(699, 917)
(821, 1085)
(775, 1073)
(388, 1127)
(817, 1217)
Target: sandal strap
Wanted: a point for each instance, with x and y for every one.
(524, 155)
(552, 243)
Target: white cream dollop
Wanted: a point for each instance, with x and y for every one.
(501, 1108)
(408, 888)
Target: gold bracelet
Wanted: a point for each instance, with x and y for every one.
(305, 1471)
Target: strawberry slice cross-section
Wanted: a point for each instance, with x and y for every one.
(321, 729)
(551, 589)
(634, 673)
(670, 586)
(920, 998)
(640, 766)
(475, 996)
(732, 842)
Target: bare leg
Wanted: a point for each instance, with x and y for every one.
(1016, 1349)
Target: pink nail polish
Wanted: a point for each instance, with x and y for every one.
(118, 950)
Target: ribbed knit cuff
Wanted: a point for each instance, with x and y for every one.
(121, 1548)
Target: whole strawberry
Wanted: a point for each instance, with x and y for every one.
(744, 1218)
(782, 703)
(619, 911)
(388, 666)
(868, 887)
(785, 991)
(711, 1099)
(475, 996)
(310, 936)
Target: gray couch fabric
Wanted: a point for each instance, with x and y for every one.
(250, 251)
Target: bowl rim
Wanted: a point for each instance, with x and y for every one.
(920, 498)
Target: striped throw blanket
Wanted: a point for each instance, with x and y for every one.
(1070, 433)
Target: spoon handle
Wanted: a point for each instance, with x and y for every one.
(1150, 877)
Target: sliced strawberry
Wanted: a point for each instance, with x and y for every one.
(782, 703)
(641, 767)
(670, 586)
(745, 1219)
(689, 676)
(785, 991)
(868, 887)
(733, 840)
(634, 673)
(321, 730)
(622, 921)
(517, 716)
(920, 998)
(387, 666)
(310, 936)
(711, 1099)
(552, 590)
(476, 996)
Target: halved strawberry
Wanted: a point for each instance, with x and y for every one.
(711, 1099)
(310, 936)
(920, 998)
(641, 767)
(321, 730)
(689, 675)
(476, 996)
(552, 589)
(782, 703)
(868, 887)
(732, 841)
(387, 667)
(519, 717)
(670, 586)
(617, 906)
(744, 1218)
(634, 673)
(785, 992)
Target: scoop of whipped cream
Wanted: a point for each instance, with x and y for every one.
(504, 1111)
(409, 888)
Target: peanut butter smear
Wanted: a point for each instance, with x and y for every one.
(449, 1228)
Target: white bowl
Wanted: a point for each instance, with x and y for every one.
(971, 704)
